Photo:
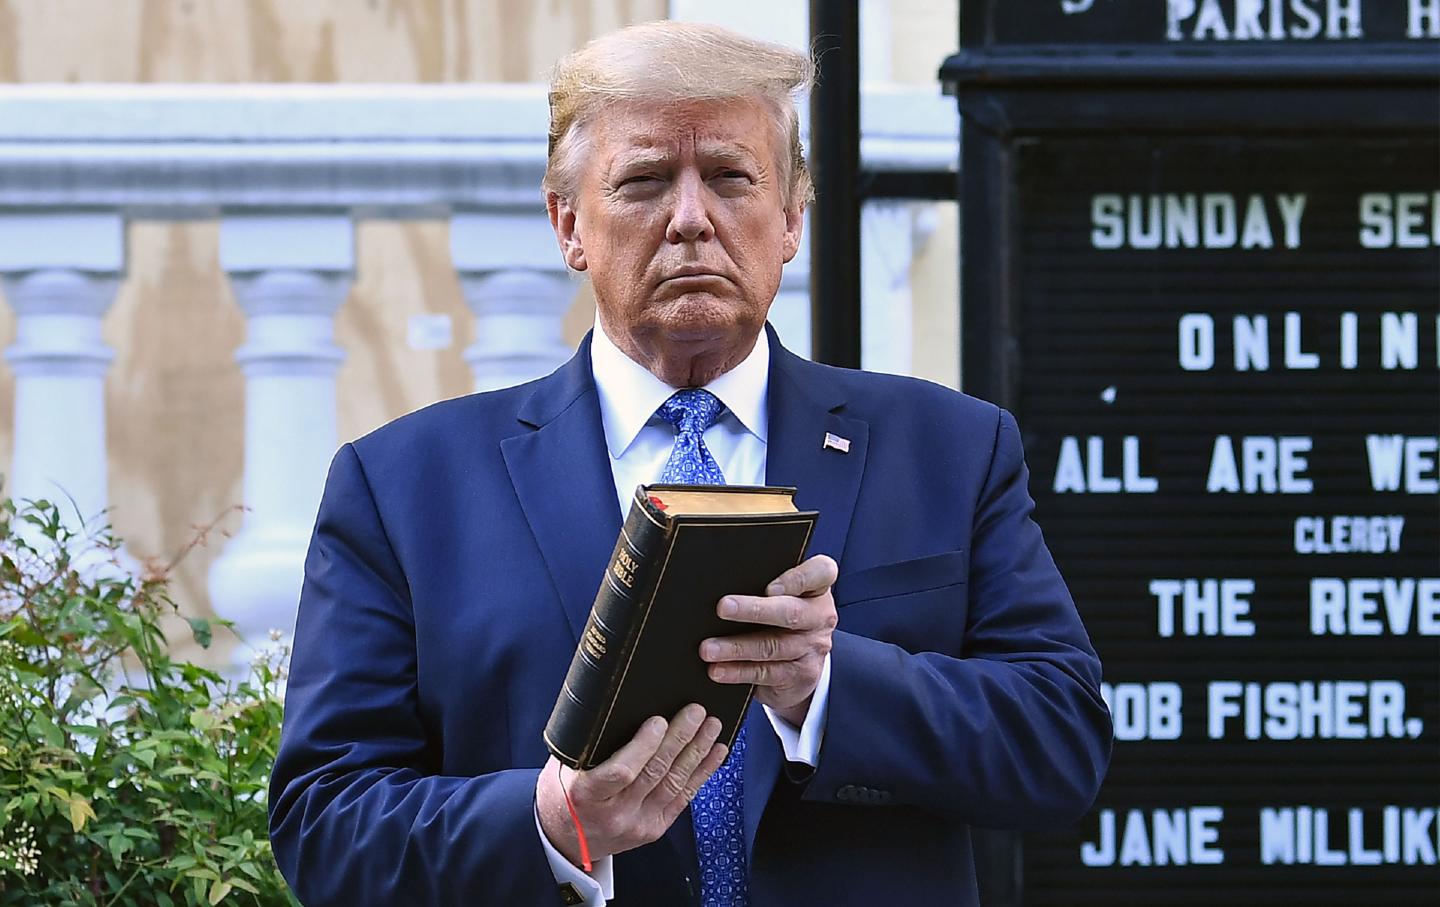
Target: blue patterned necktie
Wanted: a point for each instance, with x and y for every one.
(718, 809)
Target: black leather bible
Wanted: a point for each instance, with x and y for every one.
(682, 549)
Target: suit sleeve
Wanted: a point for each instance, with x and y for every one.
(1011, 732)
(358, 813)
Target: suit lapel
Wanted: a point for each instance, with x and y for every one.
(804, 405)
(562, 477)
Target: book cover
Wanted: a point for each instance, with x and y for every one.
(682, 548)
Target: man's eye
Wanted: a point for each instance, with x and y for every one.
(731, 182)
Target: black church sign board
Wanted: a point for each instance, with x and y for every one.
(1201, 261)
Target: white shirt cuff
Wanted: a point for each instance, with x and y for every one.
(597, 887)
(803, 744)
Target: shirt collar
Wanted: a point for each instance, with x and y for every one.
(630, 394)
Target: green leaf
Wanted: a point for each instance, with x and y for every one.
(49, 731)
(119, 844)
(251, 870)
(245, 886)
(27, 678)
(201, 628)
(148, 776)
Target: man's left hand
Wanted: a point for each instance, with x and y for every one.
(784, 662)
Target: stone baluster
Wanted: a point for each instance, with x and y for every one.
(515, 282)
(290, 275)
(60, 273)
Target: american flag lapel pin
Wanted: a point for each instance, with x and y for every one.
(835, 442)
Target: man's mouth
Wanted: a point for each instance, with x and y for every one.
(693, 275)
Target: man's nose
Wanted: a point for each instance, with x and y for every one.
(690, 215)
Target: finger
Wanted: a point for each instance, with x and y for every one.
(766, 646)
(707, 767)
(683, 728)
(689, 759)
(778, 674)
(814, 575)
(784, 611)
(618, 772)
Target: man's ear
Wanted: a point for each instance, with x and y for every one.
(563, 221)
(794, 227)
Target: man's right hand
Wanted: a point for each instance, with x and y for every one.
(631, 798)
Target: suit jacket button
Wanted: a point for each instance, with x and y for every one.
(570, 895)
(846, 793)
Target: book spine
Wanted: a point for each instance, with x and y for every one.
(625, 591)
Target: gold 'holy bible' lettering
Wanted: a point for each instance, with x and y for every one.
(624, 568)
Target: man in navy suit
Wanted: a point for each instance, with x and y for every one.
(922, 671)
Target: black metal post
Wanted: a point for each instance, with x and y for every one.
(835, 167)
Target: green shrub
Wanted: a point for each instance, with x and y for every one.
(126, 777)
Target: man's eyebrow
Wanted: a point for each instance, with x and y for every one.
(730, 154)
(640, 157)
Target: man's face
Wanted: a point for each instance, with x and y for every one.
(683, 224)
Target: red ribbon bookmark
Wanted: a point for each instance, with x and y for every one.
(575, 819)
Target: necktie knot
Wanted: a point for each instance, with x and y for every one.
(692, 410)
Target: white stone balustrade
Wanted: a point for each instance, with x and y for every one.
(290, 276)
(60, 272)
(515, 282)
(288, 169)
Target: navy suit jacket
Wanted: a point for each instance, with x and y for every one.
(454, 561)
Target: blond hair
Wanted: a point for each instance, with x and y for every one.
(669, 61)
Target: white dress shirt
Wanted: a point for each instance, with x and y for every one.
(639, 443)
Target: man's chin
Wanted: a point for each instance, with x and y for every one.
(696, 335)
(692, 352)
(699, 318)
